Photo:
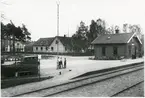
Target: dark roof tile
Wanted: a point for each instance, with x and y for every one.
(66, 41)
(113, 38)
(44, 42)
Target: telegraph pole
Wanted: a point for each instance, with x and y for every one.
(57, 30)
(57, 24)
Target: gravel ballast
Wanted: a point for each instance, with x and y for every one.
(105, 88)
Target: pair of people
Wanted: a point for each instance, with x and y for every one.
(60, 64)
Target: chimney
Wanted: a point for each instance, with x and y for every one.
(116, 31)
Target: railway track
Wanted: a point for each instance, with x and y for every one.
(114, 95)
(83, 81)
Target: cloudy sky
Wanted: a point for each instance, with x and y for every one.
(40, 16)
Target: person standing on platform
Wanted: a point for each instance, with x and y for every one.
(61, 65)
(64, 62)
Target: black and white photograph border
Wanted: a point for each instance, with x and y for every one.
(72, 48)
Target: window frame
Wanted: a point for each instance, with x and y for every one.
(36, 48)
(115, 50)
(52, 48)
(46, 48)
(56, 42)
(41, 48)
(103, 51)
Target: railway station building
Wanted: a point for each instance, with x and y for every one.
(126, 45)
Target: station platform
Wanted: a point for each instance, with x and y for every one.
(75, 67)
(81, 65)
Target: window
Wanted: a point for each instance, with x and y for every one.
(103, 51)
(115, 51)
(41, 48)
(56, 42)
(129, 48)
(51, 48)
(36, 48)
(46, 48)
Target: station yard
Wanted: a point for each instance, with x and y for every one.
(77, 65)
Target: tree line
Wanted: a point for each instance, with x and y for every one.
(14, 33)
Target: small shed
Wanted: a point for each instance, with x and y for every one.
(117, 45)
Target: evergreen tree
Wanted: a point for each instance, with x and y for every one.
(79, 39)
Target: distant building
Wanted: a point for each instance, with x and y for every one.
(50, 44)
(19, 46)
(117, 45)
(7, 45)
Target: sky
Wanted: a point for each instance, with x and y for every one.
(40, 16)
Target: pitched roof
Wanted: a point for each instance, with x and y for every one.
(66, 41)
(44, 41)
(113, 38)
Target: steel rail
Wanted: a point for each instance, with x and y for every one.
(126, 89)
(90, 83)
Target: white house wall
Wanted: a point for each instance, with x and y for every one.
(9, 45)
(39, 49)
(61, 48)
(19, 45)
